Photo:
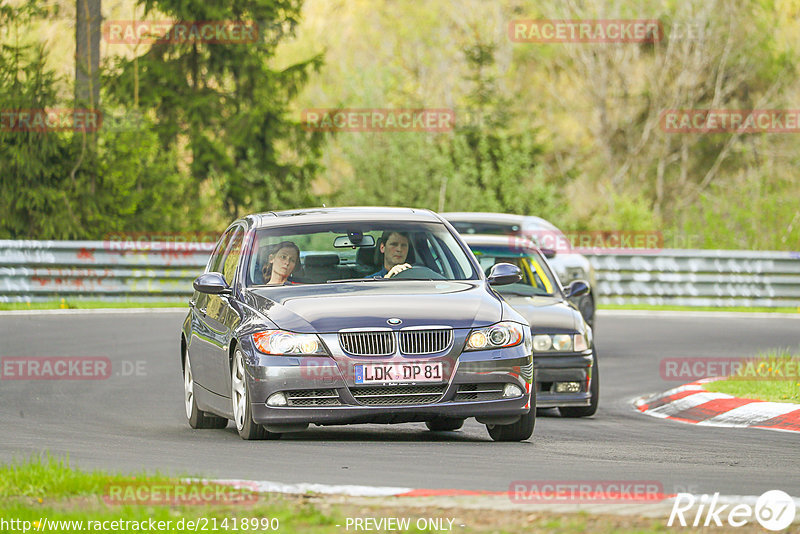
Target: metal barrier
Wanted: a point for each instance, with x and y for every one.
(120, 270)
(101, 270)
(699, 278)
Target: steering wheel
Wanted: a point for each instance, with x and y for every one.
(419, 272)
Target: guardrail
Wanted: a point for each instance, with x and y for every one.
(699, 278)
(120, 270)
(102, 270)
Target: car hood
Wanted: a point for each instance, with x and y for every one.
(328, 308)
(546, 314)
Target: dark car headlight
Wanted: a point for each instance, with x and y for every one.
(500, 335)
(280, 342)
(560, 343)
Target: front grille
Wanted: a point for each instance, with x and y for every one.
(479, 392)
(313, 397)
(394, 395)
(379, 343)
(425, 341)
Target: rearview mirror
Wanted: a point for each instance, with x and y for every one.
(503, 274)
(212, 284)
(347, 241)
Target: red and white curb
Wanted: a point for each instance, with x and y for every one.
(660, 506)
(691, 403)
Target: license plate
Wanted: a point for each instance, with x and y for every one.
(375, 373)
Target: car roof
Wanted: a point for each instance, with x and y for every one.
(500, 241)
(499, 218)
(345, 214)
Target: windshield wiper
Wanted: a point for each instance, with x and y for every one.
(521, 294)
(339, 280)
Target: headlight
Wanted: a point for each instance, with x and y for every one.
(560, 343)
(282, 342)
(505, 334)
(580, 343)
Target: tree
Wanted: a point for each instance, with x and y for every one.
(227, 106)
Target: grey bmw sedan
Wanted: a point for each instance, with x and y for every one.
(353, 315)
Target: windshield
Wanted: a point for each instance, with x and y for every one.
(537, 279)
(319, 254)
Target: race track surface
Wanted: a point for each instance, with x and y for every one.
(135, 421)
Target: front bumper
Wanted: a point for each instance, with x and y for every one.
(319, 393)
(552, 369)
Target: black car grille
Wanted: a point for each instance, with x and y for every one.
(425, 341)
(395, 395)
(479, 392)
(383, 343)
(367, 343)
(313, 397)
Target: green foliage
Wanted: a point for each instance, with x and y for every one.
(482, 165)
(227, 105)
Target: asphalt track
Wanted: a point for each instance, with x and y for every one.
(133, 421)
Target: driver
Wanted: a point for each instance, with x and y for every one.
(393, 248)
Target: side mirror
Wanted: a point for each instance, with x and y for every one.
(503, 274)
(212, 284)
(577, 288)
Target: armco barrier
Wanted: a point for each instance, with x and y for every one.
(699, 278)
(44, 270)
(102, 270)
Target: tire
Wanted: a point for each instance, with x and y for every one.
(444, 424)
(197, 418)
(240, 401)
(594, 389)
(519, 431)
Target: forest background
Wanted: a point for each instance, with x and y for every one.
(195, 134)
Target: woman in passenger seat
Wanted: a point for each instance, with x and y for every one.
(280, 263)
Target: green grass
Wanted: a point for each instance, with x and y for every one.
(47, 487)
(781, 309)
(786, 389)
(92, 304)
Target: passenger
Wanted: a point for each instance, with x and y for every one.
(281, 263)
(394, 248)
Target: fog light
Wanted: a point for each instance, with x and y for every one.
(277, 399)
(568, 387)
(512, 390)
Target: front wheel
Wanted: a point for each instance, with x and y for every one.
(197, 417)
(594, 390)
(519, 431)
(240, 398)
